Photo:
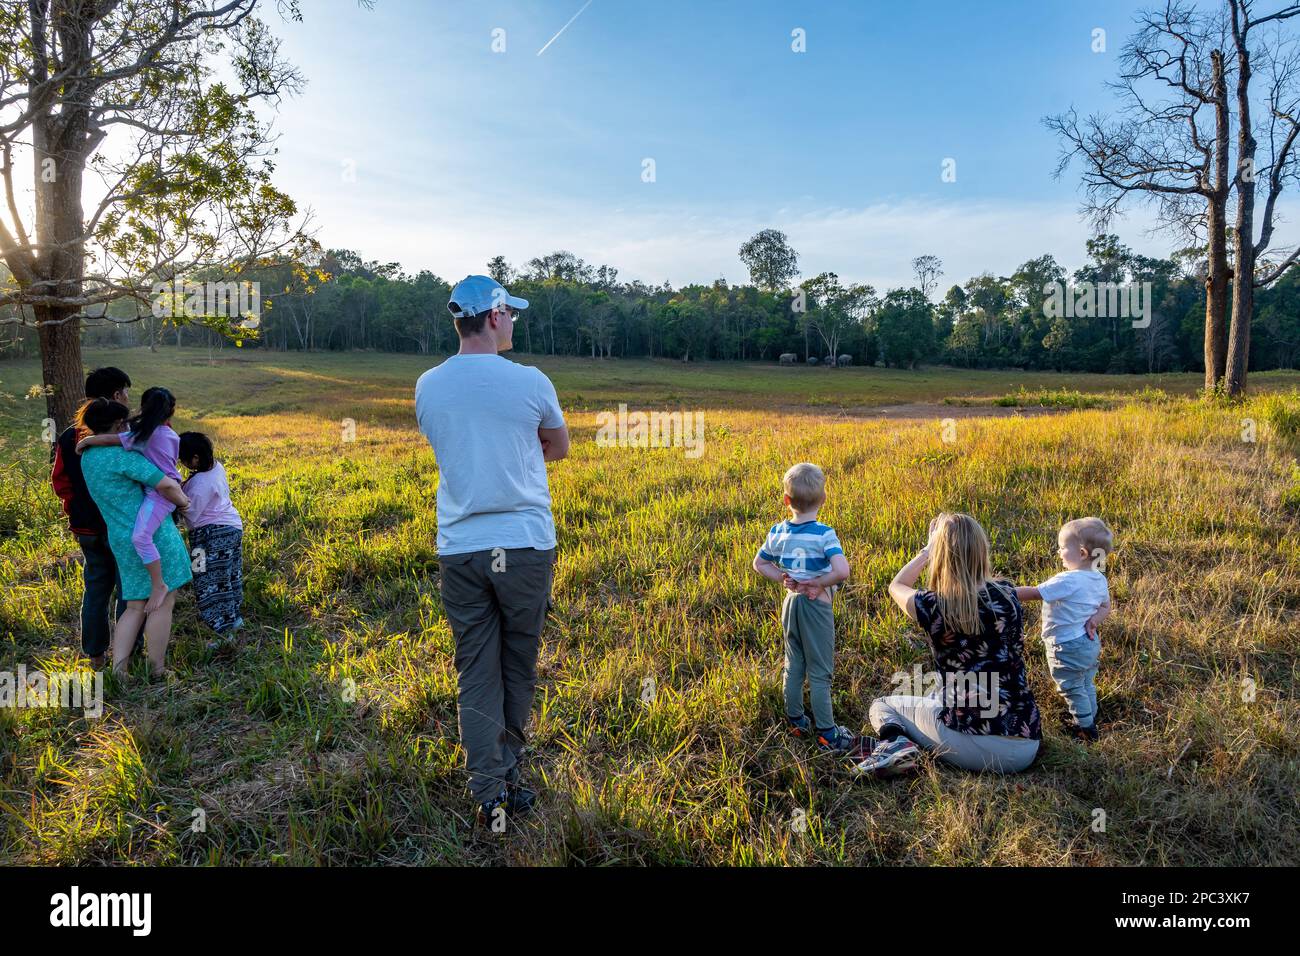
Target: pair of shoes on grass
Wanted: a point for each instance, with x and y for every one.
(834, 740)
(870, 757)
(513, 801)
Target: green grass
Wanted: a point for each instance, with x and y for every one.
(330, 737)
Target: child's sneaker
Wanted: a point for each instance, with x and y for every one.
(223, 642)
(800, 727)
(1086, 735)
(890, 759)
(836, 740)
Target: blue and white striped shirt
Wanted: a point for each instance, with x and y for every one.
(803, 550)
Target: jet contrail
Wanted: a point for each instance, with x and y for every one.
(563, 28)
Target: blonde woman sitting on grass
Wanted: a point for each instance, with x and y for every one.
(983, 717)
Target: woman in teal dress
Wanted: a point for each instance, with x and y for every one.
(116, 479)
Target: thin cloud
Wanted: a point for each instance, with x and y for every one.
(548, 43)
(874, 244)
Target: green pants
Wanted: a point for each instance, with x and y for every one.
(495, 602)
(809, 628)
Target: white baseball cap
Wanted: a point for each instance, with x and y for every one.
(476, 294)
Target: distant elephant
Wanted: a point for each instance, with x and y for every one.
(788, 358)
(844, 360)
(812, 360)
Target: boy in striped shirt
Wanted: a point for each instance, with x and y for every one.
(805, 556)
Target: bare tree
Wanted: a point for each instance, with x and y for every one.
(927, 270)
(1169, 145)
(1282, 105)
(122, 104)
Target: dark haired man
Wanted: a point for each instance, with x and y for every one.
(493, 424)
(99, 569)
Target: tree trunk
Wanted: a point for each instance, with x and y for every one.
(1216, 297)
(61, 372)
(1243, 286)
(1216, 281)
(59, 269)
(1243, 306)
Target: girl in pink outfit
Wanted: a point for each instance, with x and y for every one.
(216, 541)
(149, 433)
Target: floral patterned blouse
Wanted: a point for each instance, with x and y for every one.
(979, 664)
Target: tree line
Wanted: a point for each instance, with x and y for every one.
(579, 309)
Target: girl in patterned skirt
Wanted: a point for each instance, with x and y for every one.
(216, 539)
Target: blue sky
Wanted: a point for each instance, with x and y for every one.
(414, 141)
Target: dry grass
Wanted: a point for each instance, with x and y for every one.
(653, 584)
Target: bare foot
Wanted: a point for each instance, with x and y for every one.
(97, 662)
(156, 596)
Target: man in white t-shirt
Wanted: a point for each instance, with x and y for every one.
(493, 424)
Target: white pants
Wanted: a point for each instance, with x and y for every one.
(919, 719)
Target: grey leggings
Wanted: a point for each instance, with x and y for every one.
(919, 719)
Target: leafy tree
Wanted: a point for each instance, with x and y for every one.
(500, 270)
(153, 105)
(1276, 342)
(771, 261)
(836, 311)
(562, 266)
(904, 327)
(964, 341)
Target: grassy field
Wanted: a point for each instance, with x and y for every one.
(330, 736)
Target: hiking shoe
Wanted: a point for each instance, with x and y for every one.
(891, 758)
(513, 801)
(836, 740)
(519, 800)
(801, 727)
(490, 811)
